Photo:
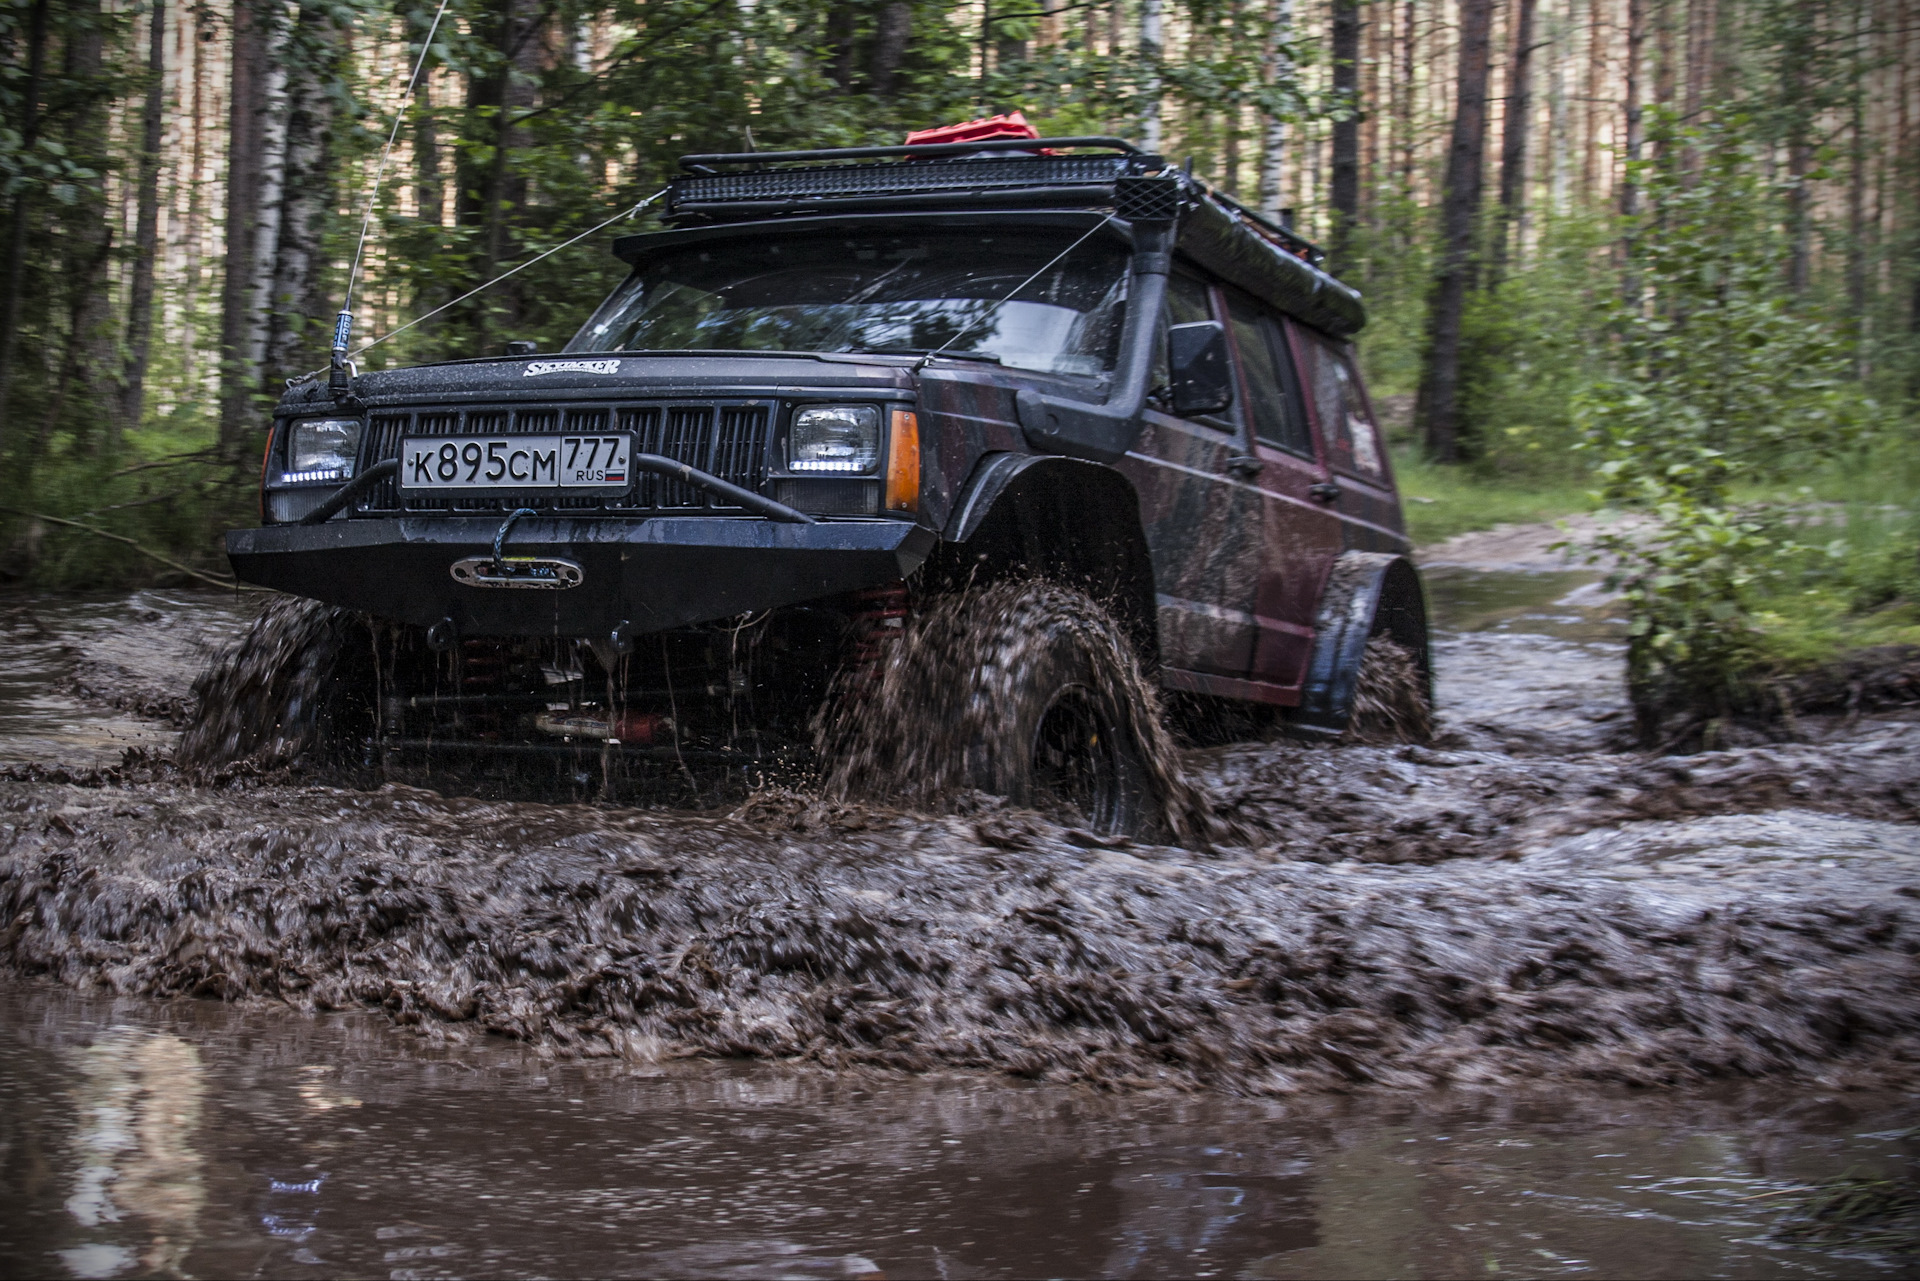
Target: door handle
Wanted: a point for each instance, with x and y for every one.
(1324, 492)
(1245, 466)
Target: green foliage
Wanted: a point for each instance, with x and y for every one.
(1715, 381)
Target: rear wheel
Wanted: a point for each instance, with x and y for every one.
(1390, 703)
(1029, 691)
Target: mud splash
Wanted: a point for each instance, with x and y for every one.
(1506, 904)
(268, 699)
(994, 941)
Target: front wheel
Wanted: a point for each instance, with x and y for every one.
(1026, 690)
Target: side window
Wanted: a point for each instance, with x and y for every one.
(1353, 442)
(1272, 400)
(1187, 301)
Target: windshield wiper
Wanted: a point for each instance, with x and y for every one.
(924, 351)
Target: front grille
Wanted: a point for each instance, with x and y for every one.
(728, 440)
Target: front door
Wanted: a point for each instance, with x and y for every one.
(1202, 520)
(1300, 529)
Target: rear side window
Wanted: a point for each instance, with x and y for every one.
(1273, 402)
(1353, 441)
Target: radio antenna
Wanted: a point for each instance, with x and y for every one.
(338, 377)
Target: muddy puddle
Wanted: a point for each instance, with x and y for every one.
(935, 1040)
(188, 1138)
(85, 679)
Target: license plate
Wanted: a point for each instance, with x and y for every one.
(516, 462)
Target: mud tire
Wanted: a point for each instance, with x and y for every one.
(1029, 691)
(1390, 703)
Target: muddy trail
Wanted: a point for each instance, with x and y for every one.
(1520, 899)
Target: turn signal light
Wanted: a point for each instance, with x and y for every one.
(903, 462)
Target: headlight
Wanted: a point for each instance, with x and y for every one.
(321, 449)
(841, 439)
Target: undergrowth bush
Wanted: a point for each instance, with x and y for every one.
(1716, 383)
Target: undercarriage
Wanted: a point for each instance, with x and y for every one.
(676, 717)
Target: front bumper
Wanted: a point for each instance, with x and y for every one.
(651, 574)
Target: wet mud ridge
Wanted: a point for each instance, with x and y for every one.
(1512, 903)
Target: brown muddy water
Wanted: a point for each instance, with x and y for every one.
(1517, 1001)
(190, 1138)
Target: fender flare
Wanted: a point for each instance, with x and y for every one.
(990, 479)
(1367, 594)
(1061, 517)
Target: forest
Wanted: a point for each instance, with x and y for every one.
(1648, 255)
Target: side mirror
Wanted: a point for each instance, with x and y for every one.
(522, 347)
(1202, 376)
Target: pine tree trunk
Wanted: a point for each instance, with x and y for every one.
(1596, 74)
(521, 29)
(840, 20)
(1344, 179)
(13, 272)
(1437, 410)
(1407, 138)
(1557, 124)
(1513, 145)
(146, 235)
(429, 193)
(890, 37)
(93, 338)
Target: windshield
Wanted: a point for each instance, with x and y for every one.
(967, 293)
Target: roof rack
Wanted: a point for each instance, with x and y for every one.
(703, 164)
(992, 173)
(1285, 237)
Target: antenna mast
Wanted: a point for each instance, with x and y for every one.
(341, 371)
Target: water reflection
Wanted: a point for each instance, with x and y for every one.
(190, 1138)
(137, 1107)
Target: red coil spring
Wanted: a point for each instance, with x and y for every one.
(483, 665)
(877, 627)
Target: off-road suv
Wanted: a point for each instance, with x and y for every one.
(1107, 421)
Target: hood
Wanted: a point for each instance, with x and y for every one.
(614, 376)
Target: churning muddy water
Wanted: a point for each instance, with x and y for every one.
(654, 1041)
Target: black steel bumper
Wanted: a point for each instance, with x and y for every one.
(652, 573)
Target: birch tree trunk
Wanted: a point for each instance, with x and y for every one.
(1436, 407)
(1273, 141)
(298, 307)
(1151, 48)
(246, 155)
